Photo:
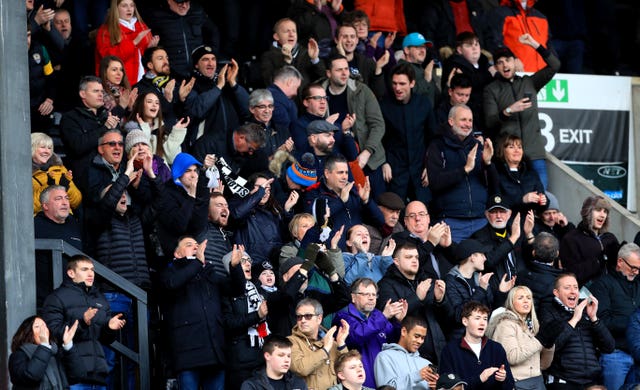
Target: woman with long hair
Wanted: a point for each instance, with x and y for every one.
(36, 362)
(515, 329)
(126, 36)
(146, 111)
(117, 93)
(47, 169)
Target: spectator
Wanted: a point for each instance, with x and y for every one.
(287, 51)
(192, 313)
(542, 272)
(357, 105)
(633, 337)
(415, 49)
(552, 220)
(42, 91)
(147, 114)
(390, 205)
(258, 220)
(617, 291)
(370, 47)
(182, 26)
(450, 382)
(87, 16)
(385, 16)
(577, 336)
(515, 329)
(217, 104)
(77, 299)
(510, 103)
(36, 359)
(138, 147)
(502, 246)
(587, 249)
(468, 282)
(124, 35)
(261, 106)
(314, 353)
(84, 125)
(184, 202)
(509, 22)
(482, 362)
(47, 169)
(118, 96)
(218, 237)
(277, 356)
(470, 60)
(298, 228)
(293, 178)
(410, 123)
(350, 371)
(284, 88)
(244, 317)
(56, 222)
(361, 67)
(456, 164)
(370, 328)
(359, 261)
(433, 242)
(459, 90)
(518, 182)
(425, 296)
(400, 365)
(317, 21)
(321, 140)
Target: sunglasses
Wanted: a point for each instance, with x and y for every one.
(113, 144)
(307, 317)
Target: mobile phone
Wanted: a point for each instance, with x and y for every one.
(585, 294)
(528, 95)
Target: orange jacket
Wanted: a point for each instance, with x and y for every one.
(384, 15)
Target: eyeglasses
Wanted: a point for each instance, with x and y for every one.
(245, 260)
(113, 144)
(368, 295)
(633, 268)
(316, 97)
(307, 316)
(422, 214)
(264, 107)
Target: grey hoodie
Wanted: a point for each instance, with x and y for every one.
(397, 367)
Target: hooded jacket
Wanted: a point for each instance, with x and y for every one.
(397, 367)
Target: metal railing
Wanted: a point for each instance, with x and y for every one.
(141, 358)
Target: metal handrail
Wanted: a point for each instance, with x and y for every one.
(60, 247)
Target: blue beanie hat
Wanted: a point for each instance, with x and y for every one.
(180, 164)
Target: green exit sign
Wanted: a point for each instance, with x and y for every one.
(556, 91)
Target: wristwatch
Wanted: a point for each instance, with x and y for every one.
(508, 110)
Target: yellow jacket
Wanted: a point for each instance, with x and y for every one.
(40, 180)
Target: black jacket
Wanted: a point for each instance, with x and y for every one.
(514, 185)
(260, 381)
(28, 367)
(541, 279)
(193, 311)
(68, 303)
(497, 250)
(576, 355)
(394, 286)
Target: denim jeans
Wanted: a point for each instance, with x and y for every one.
(615, 367)
(462, 229)
(205, 377)
(84, 386)
(120, 303)
(540, 166)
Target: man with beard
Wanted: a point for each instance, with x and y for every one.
(217, 103)
(425, 296)
(347, 207)
(315, 103)
(433, 241)
(321, 141)
(456, 164)
(502, 246)
(218, 239)
(356, 103)
(410, 123)
(157, 79)
(578, 334)
(370, 328)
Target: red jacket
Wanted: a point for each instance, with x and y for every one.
(125, 50)
(384, 15)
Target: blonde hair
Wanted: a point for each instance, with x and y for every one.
(40, 139)
(295, 221)
(508, 304)
(113, 21)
